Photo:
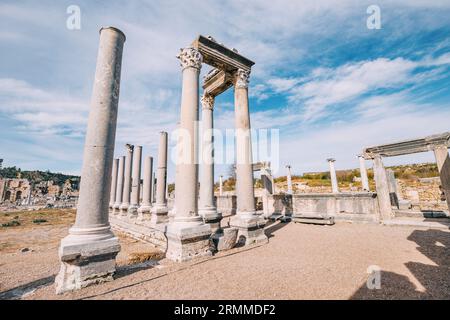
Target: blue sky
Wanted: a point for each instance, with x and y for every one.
(330, 85)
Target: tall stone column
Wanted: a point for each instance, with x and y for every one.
(443, 164)
(112, 197)
(127, 180)
(289, 180)
(135, 182)
(88, 253)
(119, 190)
(207, 209)
(363, 172)
(187, 235)
(250, 226)
(146, 205)
(220, 185)
(382, 186)
(334, 183)
(392, 184)
(153, 187)
(160, 210)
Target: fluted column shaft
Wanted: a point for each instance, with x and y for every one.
(127, 179)
(136, 180)
(289, 180)
(160, 210)
(119, 190)
(112, 196)
(363, 172)
(147, 186)
(334, 182)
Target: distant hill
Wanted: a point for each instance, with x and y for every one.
(36, 176)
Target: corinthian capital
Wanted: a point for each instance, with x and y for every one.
(207, 101)
(242, 78)
(190, 58)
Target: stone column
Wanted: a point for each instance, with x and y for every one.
(250, 226)
(382, 188)
(127, 180)
(135, 182)
(443, 164)
(153, 187)
(88, 253)
(146, 205)
(221, 185)
(187, 235)
(119, 190)
(160, 210)
(334, 183)
(112, 196)
(207, 209)
(363, 172)
(392, 184)
(289, 180)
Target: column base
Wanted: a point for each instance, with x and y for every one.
(159, 214)
(132, 211)
(188, 240)
(116, 208)
(124, 209)
(250, 228)
(143, 213)
(211, 217)
(86, 259)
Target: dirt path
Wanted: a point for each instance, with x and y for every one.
(300, 262)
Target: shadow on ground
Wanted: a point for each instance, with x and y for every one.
(434, 277)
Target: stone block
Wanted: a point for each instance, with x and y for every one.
(226, 239)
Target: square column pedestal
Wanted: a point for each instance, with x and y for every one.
(86, 260)
(188, 240)
(250, 228)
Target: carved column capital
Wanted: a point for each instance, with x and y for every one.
(207, 101)
(190, 58)
(242, 78)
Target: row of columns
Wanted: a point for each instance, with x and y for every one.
(362, 169)
(126, 184)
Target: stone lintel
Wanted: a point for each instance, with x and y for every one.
(219, 82)
(408, 146)
(219, 56)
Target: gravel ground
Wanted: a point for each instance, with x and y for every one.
(300, 262)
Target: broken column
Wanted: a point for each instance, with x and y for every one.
(112, 196)
(289, 180)
(119, 190)
(207, 208)
(146, 205)
(250, 226)
(187, 235)
(88, 253)
(382, 188)
(135, 182)
(334, 183)
(443, 164)
(160, 210)
(363, 172)
(127, 180)
(392, 183)
(221, 185)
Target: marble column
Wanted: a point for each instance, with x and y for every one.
(392, 184)
(160, 210)
(443, 164)
(207, 209)
(119, 190)
(250, 226)
(187, 235)
(289, 179)
(382, 188)
(363, 172)
(135, 182)
(154, 187)
(112, 196)
(221, 185)
(334, 182)
(127, 180)
(88, 253)
(146, 205)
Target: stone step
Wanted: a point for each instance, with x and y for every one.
(420, 214)
(313, 219)
(432, 223)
